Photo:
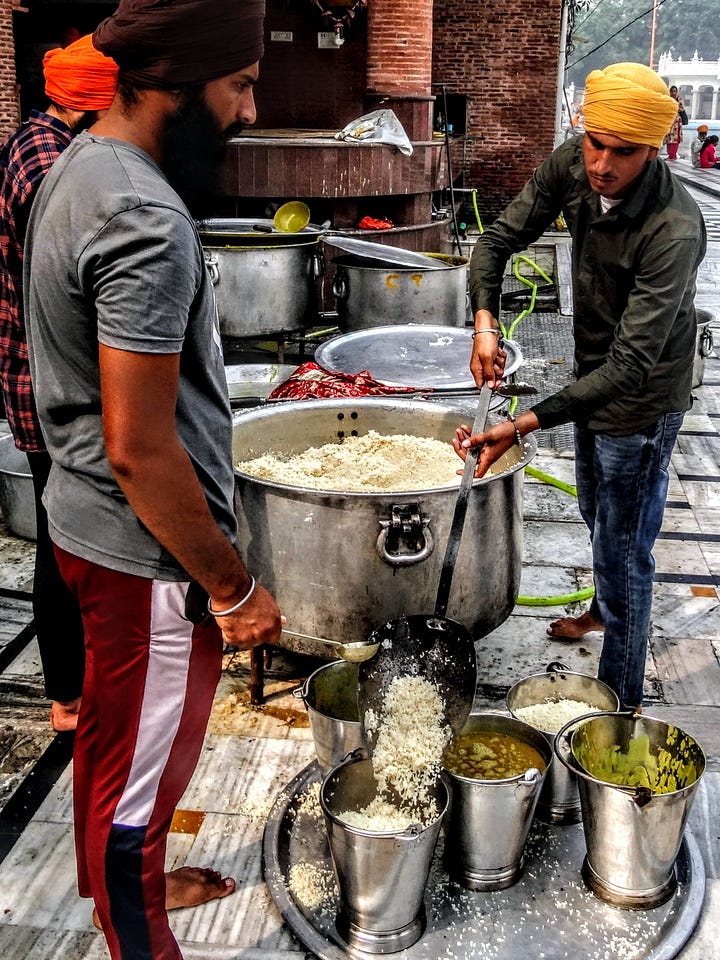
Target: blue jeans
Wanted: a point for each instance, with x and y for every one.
(622, 486)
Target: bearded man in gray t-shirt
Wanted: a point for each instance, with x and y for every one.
(127, 367)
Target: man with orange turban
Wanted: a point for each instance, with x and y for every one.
(638, 239)
(79, 83)
(130, 384)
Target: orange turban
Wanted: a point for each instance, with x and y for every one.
(79, 77)
(630, 101)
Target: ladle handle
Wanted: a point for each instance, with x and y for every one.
(461, 502)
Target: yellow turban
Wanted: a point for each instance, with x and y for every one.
(630, 101)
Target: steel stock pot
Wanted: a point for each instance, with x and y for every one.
(340, 564)
(265, 281)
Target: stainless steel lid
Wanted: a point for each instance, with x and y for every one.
(381, 251)
(409, 355)
(255, 379)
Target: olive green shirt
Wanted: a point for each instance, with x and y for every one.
(634, 270)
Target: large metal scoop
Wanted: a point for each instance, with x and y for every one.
(430, 646)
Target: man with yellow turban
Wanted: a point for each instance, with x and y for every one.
(79, 83)
(638, 239)
(130, 385)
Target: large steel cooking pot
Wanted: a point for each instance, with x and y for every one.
(371, 294)
(265, 282)
(340, 564)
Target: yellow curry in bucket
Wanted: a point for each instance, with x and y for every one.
(659, 768)
(488, 755)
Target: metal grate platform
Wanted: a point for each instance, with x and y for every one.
(547, 346)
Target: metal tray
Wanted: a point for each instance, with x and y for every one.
(548, 913)
(410, 355)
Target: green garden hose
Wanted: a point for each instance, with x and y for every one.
(564, 598)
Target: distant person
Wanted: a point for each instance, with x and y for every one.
(80, 85)
(708, 155)
(674, 136)
(638, 240)
(697, 144)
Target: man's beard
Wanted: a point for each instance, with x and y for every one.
(194, 151)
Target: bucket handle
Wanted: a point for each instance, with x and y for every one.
(530, 778)
(557, 666)
(300, 692)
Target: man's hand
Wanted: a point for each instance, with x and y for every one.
(487, 362)
(494, 442)
(257, 621)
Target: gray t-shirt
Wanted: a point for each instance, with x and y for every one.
(114, 258)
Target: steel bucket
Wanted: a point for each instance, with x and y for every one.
(489, 820)
(632, 834)
(560, 798)
(17, 495)
(330, 696)
(381, 876)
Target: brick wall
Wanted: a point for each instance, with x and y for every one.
(9, 101)
(399, 54)
(503, 55)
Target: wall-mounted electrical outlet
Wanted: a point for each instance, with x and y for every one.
(327, 41)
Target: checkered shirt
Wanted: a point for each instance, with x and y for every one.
(25, 158)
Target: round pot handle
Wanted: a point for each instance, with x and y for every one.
(706, 343)
(318, 264)
(340, 286)
(404, 559)
(213, 266)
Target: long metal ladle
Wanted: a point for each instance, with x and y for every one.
(432, 646)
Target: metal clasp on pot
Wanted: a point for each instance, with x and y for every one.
(405, 538)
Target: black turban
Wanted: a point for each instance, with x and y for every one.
(165, 44)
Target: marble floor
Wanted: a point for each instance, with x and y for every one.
(251, 753)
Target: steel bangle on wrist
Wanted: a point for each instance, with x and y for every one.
(236, 606)
(518, 438)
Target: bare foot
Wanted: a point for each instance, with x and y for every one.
(189, 887)
(64, 715)
(572, 628)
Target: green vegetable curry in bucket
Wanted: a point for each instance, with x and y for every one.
(662, 760)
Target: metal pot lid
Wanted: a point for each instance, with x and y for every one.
(255, 379)
(381, 251)
(409, 355)
(251, 232)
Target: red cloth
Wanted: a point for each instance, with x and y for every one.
(372, 223)
(312, 382)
